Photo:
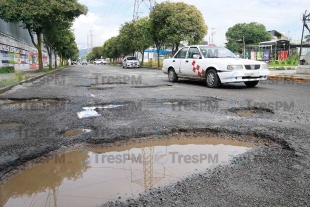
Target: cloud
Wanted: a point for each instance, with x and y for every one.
(106, 16)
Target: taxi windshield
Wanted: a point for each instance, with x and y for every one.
(216, 52)
(131, 58)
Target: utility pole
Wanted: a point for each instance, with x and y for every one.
(213, 34)
(138, 5)
(305, 19)
(87, 44)
(91, 39)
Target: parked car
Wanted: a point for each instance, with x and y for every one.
(84, 62)
(131, 62)
(74, 62)
(100, 62)
(215, 65)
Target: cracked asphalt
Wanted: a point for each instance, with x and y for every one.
(275, 110)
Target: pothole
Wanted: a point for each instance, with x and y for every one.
(150, 86)
(93, 176)
(250, 111)
(10, 126)
(108, 84)
(76, 132)
(30, 104)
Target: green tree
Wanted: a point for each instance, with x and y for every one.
(35, 14)
(97, 52)
(53, 35)
(90, 56)
(111, 48)
(142, 35)
(173, 22)
(126, 39)
(253, 33)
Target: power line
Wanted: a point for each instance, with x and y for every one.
(137, 7)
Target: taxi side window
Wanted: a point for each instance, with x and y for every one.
(181, 53)
(193, 51)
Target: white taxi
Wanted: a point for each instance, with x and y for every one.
(215, 65)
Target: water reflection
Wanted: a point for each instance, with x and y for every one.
(95, 176)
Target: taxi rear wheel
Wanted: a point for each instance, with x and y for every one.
(172, 76)
(212, 79)
(251, 84)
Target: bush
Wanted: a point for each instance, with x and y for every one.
(4, 70)
(19, 76)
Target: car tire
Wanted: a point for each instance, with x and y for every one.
(172, 76)
(101, 63)
(251, 84)
(212, 79)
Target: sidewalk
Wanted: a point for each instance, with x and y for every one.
(8, 81)
(27, 74)
(288, 75)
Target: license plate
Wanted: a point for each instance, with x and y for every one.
(254, 75)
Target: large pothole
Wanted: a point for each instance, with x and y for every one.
(250, 111)
(92, 176)
(30, 104)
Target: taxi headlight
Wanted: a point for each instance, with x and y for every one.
(264, 66)
(234, 67)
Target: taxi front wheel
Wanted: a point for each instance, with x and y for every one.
(172, 76)
(212, 79)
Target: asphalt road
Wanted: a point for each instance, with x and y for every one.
(280, 111)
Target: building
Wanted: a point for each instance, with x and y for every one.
(16, 48)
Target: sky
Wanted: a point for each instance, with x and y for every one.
(105, 17)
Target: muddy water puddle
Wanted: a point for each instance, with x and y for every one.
(96, 175)
(250, 111)
(29, 104)
(76, 132)
(10, 126)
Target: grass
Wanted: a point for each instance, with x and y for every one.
(5, 70)
(293, 60)
(11, 81)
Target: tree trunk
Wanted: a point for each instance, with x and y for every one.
(176, 48)
(38, 46)
(40, 56)
(50, 56)
(142, 57)
(55, 59)
(158, 52)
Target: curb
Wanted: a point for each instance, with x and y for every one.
(289, 78)
(2, 90)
